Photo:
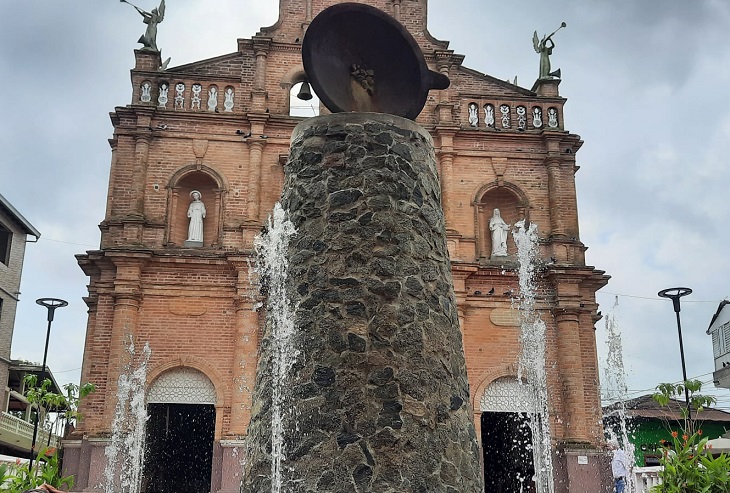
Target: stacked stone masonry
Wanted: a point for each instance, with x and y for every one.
(380, 397)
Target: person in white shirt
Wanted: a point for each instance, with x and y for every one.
(619, 466)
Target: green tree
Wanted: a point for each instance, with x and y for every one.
(47, 468)
(65, 405)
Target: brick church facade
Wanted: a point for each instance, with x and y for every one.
(222, 126)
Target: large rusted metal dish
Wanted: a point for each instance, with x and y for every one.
(358, 58)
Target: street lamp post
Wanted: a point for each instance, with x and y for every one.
(675, 294)
(51, 304)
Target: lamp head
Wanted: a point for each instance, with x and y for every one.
(674, 294)
(51, 304)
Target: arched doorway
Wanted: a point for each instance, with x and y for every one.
(180, 433)
(507, 407)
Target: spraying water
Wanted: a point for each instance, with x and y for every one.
(271, 249)
(531, 368)
(615, 388)
(125, 453)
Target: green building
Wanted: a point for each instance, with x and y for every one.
(649, 423)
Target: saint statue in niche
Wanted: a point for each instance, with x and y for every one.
(196, 213)
(499, 230)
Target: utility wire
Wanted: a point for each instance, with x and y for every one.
(655, 298)
(68, 242)
(630, 392)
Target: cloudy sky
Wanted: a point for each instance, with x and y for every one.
(645, 82)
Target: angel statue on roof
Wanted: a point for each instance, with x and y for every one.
(149, 38)
(542, 48)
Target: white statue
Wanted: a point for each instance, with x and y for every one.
(521, 118)
(228, 103)
(195, 100)
(553, 118)
(179, 95)
(146, 95)
(536, 117)
(162, 98)
(504, 109)
(196, 213)
(213, 98)
(489, 115)
(499, 230)
(473, 115)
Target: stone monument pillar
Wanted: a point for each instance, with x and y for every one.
(377, 399)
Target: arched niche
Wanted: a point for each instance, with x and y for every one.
(513, 206)
(212, 189)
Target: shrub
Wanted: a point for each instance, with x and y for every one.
(688, 463)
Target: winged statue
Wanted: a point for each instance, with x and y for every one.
(544, 47)
(149, 38)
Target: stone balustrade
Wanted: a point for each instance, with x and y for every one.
(645, 478)
(19, 433)
(179, 95)
(512, 115)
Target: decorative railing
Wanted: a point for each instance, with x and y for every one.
(512, 115)
(646, 478)
(179, 95)
(18, 433)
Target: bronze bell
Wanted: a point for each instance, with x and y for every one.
(305, 92)
(358, 58)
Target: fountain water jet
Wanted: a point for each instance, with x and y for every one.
(531, 370)
(616, 390)
(272, 267)
(125, 453)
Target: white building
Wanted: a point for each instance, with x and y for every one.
(720, 331)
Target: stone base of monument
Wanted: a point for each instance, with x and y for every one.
(378, 398)
(192, 244)
(580, 469)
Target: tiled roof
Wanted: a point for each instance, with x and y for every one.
(646, 407)
(23, 222)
